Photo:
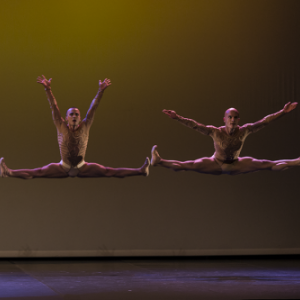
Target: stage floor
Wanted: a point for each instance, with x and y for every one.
(151, 278)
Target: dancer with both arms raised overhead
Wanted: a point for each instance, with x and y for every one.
(228, 143)
(72, 135)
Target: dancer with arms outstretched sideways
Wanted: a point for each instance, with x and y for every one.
(228, 143)
(72, 135)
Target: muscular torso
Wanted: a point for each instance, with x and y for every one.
(228, 147)
(72, 144)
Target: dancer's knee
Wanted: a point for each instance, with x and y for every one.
(38, 172)
(280, 166)
(25, 175)
(109, 172)
(263, 164)
(179, 166)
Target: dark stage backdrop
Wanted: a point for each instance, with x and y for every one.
(195, 57)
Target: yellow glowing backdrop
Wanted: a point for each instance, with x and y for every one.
(196, 57)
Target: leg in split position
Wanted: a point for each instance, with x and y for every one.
(228, 143)
(73, 139)
(96, 170)
(56, 170)
(205, 165)
(211, 165)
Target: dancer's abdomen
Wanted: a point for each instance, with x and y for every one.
(72, 147)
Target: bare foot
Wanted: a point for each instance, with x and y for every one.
(155, 159)
(4, 171)
(145, 167)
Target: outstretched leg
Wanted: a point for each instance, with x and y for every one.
(96, 170)
(250, 164)
(205, 165)
(50, 171)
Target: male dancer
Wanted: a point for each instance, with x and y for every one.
(228, 143)
(72, 135)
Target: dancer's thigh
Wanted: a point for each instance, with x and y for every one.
(53, 170)
(92, 170)
(249, 164)
(207, 165)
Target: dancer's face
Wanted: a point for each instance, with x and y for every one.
(73, 116)
(231, 118)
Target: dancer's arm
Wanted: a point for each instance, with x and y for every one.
(91, 112)
(206, 130)
(254, 127)
(53, 104)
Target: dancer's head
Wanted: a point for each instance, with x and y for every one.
(231, 118)
(73, 116)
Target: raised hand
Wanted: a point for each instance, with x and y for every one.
(290, 106)
(171, 113)
(103, 85)
(43, 80)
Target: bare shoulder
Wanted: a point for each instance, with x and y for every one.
(214, 129)
(246, 127)
(85, 124)
(220, 129)
(60, 124)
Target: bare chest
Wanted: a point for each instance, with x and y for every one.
(74, 138)
(226, 142)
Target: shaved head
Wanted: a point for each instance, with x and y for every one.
(231, 110)
(231, 120)
(71, 109)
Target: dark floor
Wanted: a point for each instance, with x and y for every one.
(147, 278)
